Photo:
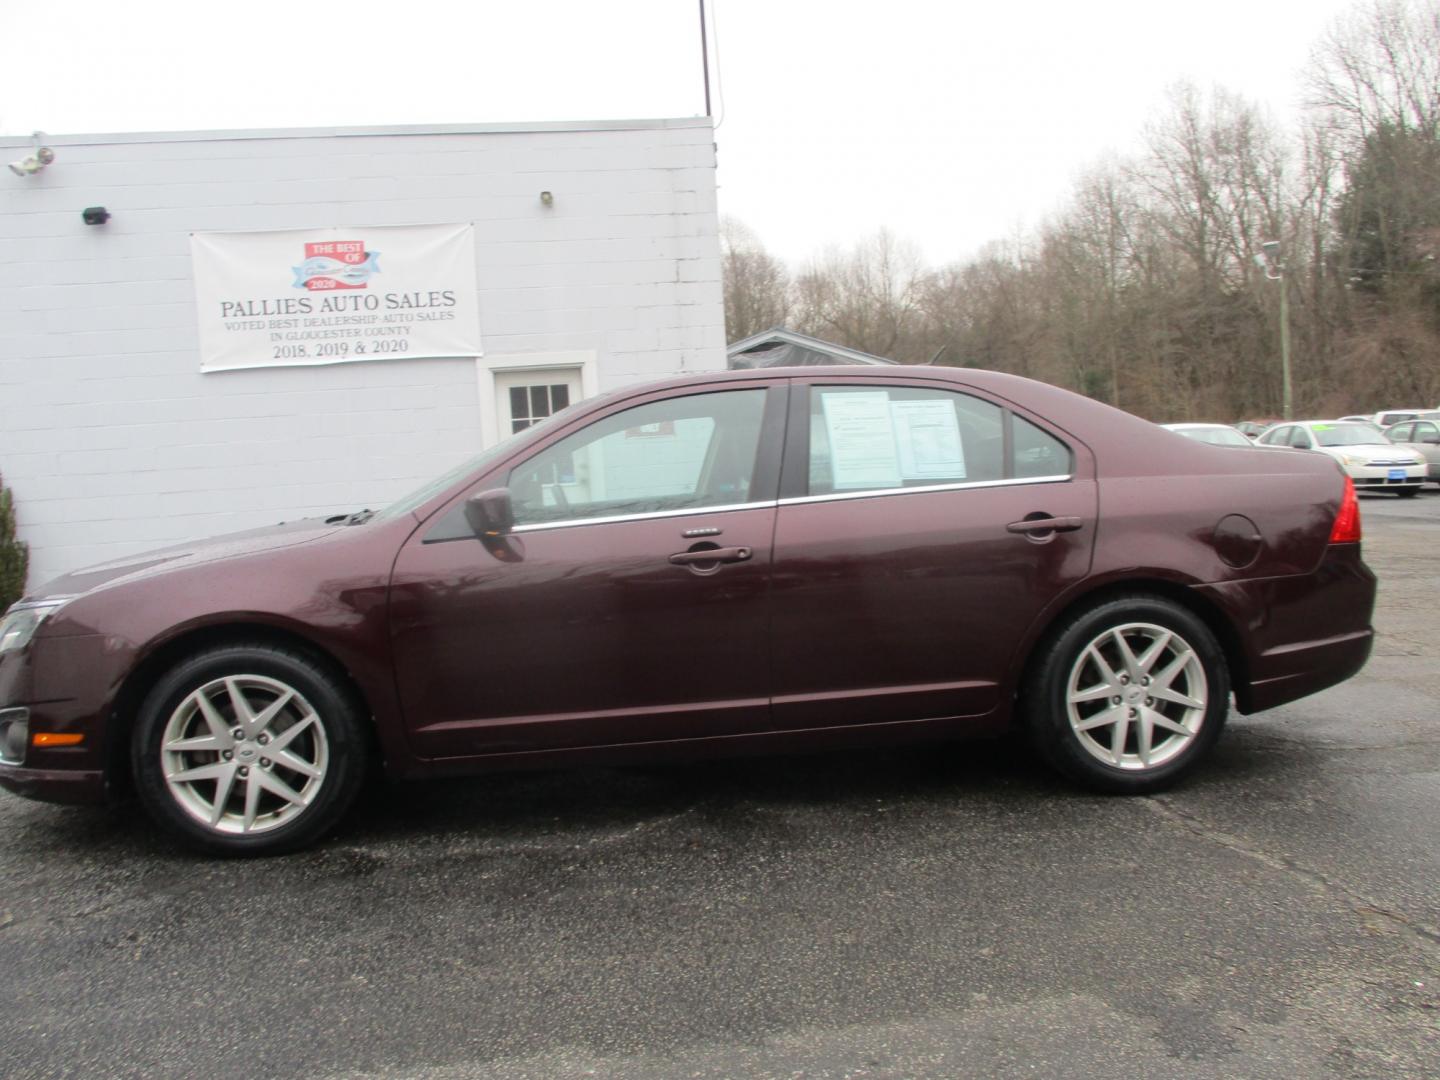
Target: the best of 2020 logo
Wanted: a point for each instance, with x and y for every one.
(336, 264)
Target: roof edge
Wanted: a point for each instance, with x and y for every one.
(239, 134)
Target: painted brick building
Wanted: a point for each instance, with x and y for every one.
(115, 442)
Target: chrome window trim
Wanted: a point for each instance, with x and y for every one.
(878, 492)
(570, 523)
(727, 508)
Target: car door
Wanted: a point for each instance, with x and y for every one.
(630, 601)
(1424, 439)
(920, 532)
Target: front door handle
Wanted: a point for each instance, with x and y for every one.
(1044, 524)
(712, 555)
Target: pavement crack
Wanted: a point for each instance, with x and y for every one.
(1428, 937)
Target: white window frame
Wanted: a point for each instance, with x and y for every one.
(585, 361)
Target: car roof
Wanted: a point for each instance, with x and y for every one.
(1194, 426)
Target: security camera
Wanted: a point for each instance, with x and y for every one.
(29, 166)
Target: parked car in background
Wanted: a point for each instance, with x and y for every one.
(1371, 461)
(1214, 434)
(1252, 429)
(1423, 437)
(1394, 416)
(741, 562)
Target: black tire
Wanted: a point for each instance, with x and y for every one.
(318, 728)
(1408, 493)
(1064, 657)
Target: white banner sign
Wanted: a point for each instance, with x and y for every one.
(327, 296)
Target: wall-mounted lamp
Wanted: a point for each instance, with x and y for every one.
(95, 215)
(33, 163)
(546, 198)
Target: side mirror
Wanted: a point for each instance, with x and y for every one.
(490, 513)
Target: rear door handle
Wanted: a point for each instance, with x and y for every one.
(712, 555)
(1044, 524)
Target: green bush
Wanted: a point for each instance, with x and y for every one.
(14, 555)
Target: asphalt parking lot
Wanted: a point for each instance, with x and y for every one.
(928, 913)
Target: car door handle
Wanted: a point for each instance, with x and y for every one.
(712, 555)
(1044, 524)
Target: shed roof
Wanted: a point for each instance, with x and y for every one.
(785, 348)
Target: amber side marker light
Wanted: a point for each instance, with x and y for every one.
(1346, 529)
(56, 738)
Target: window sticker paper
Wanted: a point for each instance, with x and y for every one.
(862, 439)
(927, 435)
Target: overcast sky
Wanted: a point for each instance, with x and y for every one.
(951, 123)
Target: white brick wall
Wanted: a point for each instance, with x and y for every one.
(114, 442)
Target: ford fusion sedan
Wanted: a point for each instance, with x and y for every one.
(1370, 459)
(728, 563)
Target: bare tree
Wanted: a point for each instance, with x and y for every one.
(756, 284)
(867, 298)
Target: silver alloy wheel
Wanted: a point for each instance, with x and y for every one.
(244, 754)
(1137, 696)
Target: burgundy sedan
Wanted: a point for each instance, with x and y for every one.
(727, 563)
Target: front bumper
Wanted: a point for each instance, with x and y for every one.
(1386, 477)
(54, 785)
(62, 686)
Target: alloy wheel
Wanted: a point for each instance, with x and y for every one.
(244, 754)
(1136, 696)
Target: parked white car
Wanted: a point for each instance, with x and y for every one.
(1214, 434)
(1423, 437)
(1373, 462)
(1396, 416)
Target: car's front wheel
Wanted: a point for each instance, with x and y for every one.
(248, 749)
(1129, 695)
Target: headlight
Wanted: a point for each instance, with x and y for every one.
(1349, 460)
(20, 623)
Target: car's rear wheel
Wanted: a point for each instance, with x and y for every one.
(1408, 493)
(248, 749)
(1129, 695)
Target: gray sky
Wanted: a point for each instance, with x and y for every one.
(952, 123)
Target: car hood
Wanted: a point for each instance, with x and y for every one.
(215, 549)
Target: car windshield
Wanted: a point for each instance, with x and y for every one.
(1347, 435)
(429, 490)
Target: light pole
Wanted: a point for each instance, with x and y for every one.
(1275, 271)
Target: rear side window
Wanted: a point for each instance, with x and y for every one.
(866, 438)
(1399, 433)
(1037, 452)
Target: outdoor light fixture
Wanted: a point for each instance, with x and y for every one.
(95, 215)
(33, 163)
(546, 198)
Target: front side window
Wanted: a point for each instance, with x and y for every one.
(866, 438)
(677, 454)
(1426, 432)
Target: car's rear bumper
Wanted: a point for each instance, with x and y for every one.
(1302, 633)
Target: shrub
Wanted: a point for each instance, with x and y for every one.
(14, 554)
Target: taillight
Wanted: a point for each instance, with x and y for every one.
(1346, 529)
